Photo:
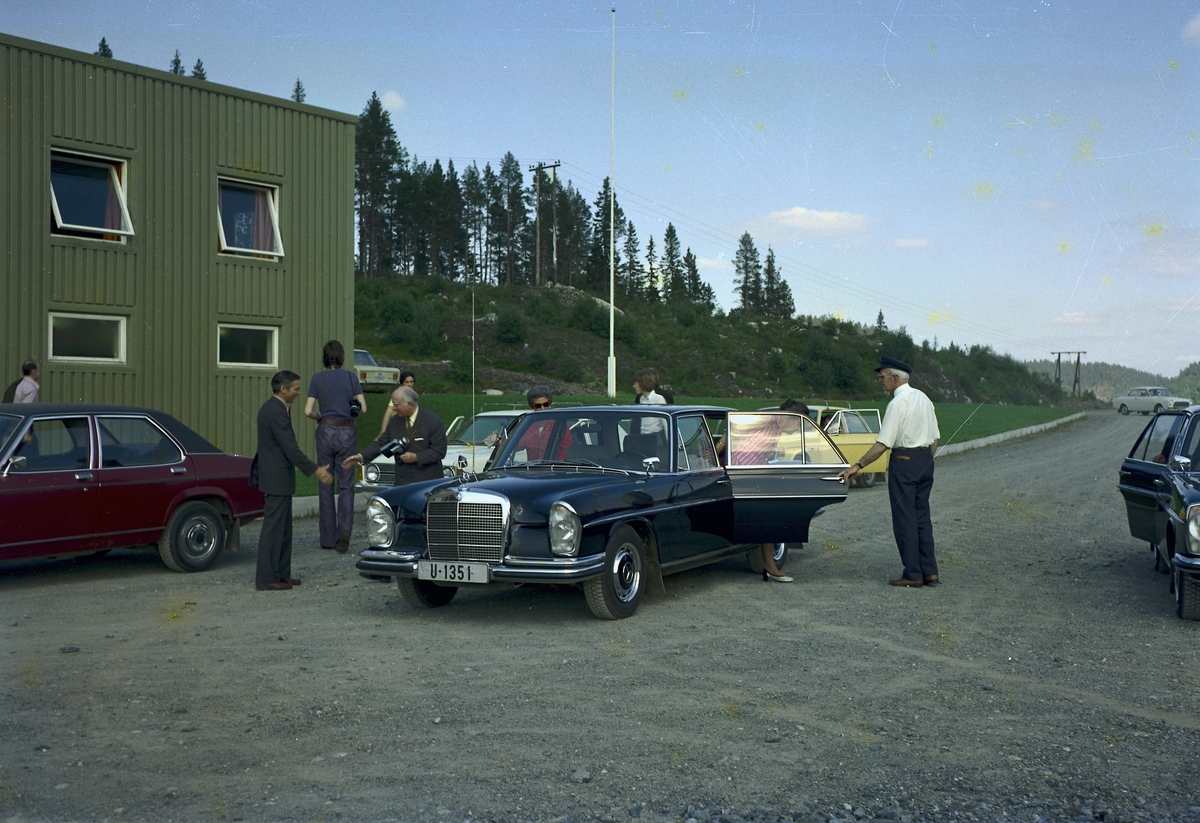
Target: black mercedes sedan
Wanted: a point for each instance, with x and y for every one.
(609, 498)
(1160, 481)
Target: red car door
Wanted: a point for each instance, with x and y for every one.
(142, 471)
(47, 505)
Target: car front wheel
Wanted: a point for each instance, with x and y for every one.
(1187, 596)
(617, 592)
(1157, 408)
(194, 536)
(421, 594)
(1124, 409)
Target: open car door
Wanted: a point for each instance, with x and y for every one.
(783, 471)
(1142, 472)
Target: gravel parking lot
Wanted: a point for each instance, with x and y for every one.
(1047, 678)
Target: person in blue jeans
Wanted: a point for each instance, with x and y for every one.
(332, 390)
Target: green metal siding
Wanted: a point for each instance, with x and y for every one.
(177, 135)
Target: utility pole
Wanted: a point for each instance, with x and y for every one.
(1076, 386)
(537, 170)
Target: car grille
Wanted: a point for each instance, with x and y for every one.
(1179, 404)
(387, 473)
(465, 525)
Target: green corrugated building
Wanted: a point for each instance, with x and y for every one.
(167, 241)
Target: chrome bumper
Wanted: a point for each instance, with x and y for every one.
(404, 564)
(1185, 563)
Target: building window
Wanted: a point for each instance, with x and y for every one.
(248, 219)
(247, 345)
(89, 337)
(87, 196)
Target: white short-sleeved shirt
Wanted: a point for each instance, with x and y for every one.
(909, 421)
(27, 391)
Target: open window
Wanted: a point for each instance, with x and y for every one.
(87, 197)
(248, 219)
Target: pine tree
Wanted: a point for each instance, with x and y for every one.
(176, 64)
(512, 185)
(298, 92)
(674, 286)
(651, 291)
(629, 278)
(104, 50)
(777, 294)
(747, 276)
(378, 162)
(198, 70)
(880, 326)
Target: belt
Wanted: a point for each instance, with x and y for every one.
(335, 421)
(912, 449)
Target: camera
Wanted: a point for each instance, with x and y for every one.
(397, 446)
(355, 407)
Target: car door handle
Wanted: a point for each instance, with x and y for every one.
(83, 475)
(179, 470)
(835, 478)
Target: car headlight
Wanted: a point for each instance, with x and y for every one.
(1193, 530)
(565, 530)
(371, 473)
(381, 524)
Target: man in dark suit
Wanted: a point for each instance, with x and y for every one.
(422, 458)
(274, 472)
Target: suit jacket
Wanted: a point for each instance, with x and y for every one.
(278, 454)
(428, 436)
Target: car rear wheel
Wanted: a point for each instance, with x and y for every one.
(1187, 596)
(617, 592)
(1157, 408)
(1124, 409)
(193, 538)
(866, 480)
(755, 559)
(421, 594)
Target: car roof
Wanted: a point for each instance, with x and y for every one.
(192, 442)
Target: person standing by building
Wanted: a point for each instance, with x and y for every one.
(422, 434)
(26, 389)
(335, 391)
(910, 430)
(274, 473)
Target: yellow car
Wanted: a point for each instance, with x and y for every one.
(854, 431)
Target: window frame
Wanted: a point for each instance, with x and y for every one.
(122, 337)
(117, 177)
(274, 330)
(223, 245)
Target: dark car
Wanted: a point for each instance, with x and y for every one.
(86, 478)
(1160, 481)
(609, 498)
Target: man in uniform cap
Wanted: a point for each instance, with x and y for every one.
(910, 430)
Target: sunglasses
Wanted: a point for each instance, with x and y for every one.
(537, 406)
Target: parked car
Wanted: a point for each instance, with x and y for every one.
(469, 444)
(854, 432)
(1160, 481)
(373, 376)
(85, 478)
(607, 498)
(1147, 399)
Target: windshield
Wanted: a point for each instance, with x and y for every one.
(612, 440)
(363, 358)
(8, 425)
(478, 429)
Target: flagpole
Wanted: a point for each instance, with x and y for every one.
(612, 216)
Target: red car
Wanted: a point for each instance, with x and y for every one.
(86, 478)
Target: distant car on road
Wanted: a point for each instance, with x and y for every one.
(85, 478)
(1147, 399)
(471, 439)
(1160, 481)
(373, 376)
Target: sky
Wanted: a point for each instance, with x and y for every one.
(1022, 175)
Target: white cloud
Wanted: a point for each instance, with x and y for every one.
(1076, 318)
(1191, 31)
(909, 243)
(721, 263)
(392, 101)
(823, 223)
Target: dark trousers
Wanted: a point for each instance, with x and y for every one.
(910, 478)
(335, 444)
(275, 540)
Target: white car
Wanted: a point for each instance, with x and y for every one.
(470, 442)
(1147, 399)
(372, 375)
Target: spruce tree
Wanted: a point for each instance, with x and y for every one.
(651, 291)
(103, 50)
(601, 230)
(298, 93)
(176, 64)
(378, 161)
(777, 294)
(747, 276)
(629, 281)
(674, 286)
(198, 70)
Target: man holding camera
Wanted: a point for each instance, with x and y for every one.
(416, 437)
(341, 399)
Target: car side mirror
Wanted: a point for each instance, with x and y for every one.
(649, 464)
(1182, 464)
(462, 462)
(17, 462)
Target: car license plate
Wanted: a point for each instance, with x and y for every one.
(452, 572)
